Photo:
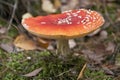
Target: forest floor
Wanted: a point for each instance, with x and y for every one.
(99, 50)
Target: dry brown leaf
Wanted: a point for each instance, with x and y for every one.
(99, 53)
(108, 71)
(33, 73)
(22, 41)
(111, 69)
(42, 43)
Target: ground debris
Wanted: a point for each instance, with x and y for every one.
(33, 73)
(26, 43)
(8, 47)
(100, 53)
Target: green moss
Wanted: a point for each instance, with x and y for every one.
(13, 32)
(53, 66)
(96, 75)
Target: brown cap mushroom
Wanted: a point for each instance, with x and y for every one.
(69, 24)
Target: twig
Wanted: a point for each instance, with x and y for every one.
(6, 3)
(81, 72)
(63, 73)
(12, 16)
(20, 29)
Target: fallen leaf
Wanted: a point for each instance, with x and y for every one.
(26, 43)
(42, 43)
(22, 41)
(99, 53)
(111, 69)
(33, 73)
(47, 6)
(116, 70)
(8, 47)
(108, 71)
(93, 57)
(98, 56)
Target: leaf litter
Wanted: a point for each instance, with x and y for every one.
(8, 47)
(24, 42)
(98, 58)
(33, 73)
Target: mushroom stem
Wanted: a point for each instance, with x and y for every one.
(63, 47)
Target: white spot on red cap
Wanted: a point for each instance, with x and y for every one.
(25, 26)
(79, 16)
(78, 11)
(42, 22)
(74, 14)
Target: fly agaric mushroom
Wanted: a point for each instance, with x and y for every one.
(64, 26)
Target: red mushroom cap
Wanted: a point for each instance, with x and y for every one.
(69, 24)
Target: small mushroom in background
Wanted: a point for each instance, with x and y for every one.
(26, 15)
(48, 7)
(62, 27)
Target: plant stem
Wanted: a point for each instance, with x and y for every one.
(63, 47)
(13, 14)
